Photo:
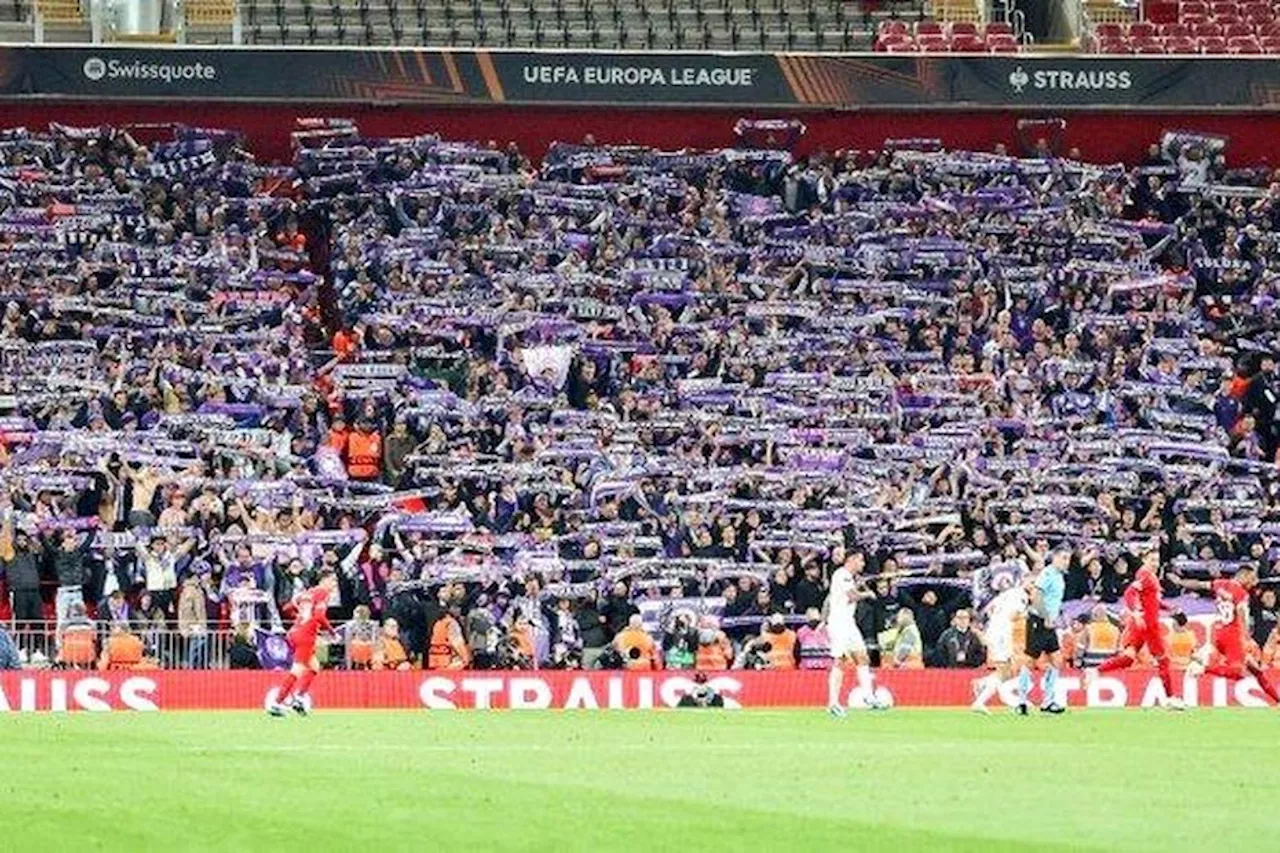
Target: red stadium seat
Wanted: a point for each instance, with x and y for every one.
(968, 43)
(1196, 9)
(964, 28)
(902, 47)
(1181, 45)
(928, 28)
(1212, 44)
(1148, 47)
(1177, 30)
(1160, 12)
(1115, 47)
(888, 39)
(999, 45)
(892, 26)
(1224, 8)
(1108, 32)
(1142, 30)
(1270, 44)
(999, 28)
(1237, 30)
(1206, 29)
(1245, 47)
(934, 43)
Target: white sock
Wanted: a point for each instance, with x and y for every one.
(864, 678)
(835, 680)
(990, 685)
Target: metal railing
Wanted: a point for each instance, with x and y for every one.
(42, 644)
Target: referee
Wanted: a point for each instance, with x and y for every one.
(1042, 636)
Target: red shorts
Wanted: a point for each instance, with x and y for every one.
(1136, 635)
(303, 647)
(1229, 642)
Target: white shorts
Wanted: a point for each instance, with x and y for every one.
(1000, 646)
(845, 640)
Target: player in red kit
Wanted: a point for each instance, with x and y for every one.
(1230, 637)
(310, 621)
(1142, 628)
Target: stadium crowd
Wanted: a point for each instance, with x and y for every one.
(624, 407)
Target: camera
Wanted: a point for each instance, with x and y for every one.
(703, 695)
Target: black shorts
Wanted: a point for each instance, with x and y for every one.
(1041, 638)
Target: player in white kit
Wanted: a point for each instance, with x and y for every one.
(1002, 612)
(847, 648)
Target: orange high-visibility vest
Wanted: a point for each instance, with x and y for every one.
(447, 649)
(782, 651)
(364, 455)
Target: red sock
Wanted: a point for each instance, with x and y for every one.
(1124, 660)
(1231, 672)
(305, 681)
(286, 688)
(1265, 683)
(1166, 678)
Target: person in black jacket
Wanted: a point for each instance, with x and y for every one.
(67, 552)
(959, 646)
(21, 562)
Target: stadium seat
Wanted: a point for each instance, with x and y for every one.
(964, 28)
(889, 27)
(933, 43)
(999, 28)
(1193, 9)
(1212, 44)
(1207, 29)
(1245, 48)
(1000, 44)
(1142, 30)
(1108, 32)
(1181, 46)
(1175, 30)
(1270, 44)
(968, 43)
(1115, 47)
(1237, 30)
(902, 47)
(928, 28)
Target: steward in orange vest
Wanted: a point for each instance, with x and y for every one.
(448, 647)
(364, 453)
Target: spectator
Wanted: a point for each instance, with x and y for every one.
(593, 630)
(67, 552)
(959, 647)
(523, 646)
(10, 658)
(448, 647)
(1181, 642)
(193, 620)
(123, 649)
(243, 651)
(680, 643)
(902, 642)
(21, 563)
(777, 643)
(813, 642)
(1102, 637)
(359, 638)
(715, 652)
(390, 653)
(637, 648)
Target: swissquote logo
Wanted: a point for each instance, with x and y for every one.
(1069, 80)
(96, 69)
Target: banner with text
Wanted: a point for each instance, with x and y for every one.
(193, 690)
(424, 76)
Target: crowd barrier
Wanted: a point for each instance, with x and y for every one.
(166, 690)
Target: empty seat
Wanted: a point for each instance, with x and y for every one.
(928, 28)
(1207, 29)
(1002, 45)
(1142, 30)
(1176, 30)
(999, 28)
(933, 43)
(1212, 44)
(1181, 45)
(968, 43)
(1149, 47)
(964, 28)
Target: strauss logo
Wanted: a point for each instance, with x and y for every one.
(1019, 79)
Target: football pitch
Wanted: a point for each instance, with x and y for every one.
(908, 780)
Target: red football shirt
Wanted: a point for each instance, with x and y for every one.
(312, 617)
(1229, 595)
(1143, 598)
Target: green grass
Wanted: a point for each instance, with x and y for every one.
(654, 780)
